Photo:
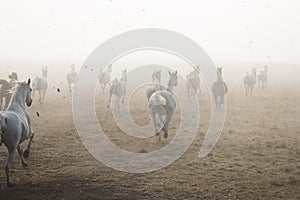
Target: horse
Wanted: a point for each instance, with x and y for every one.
(105, 76)
(40, 84)
(193, 83)
(72, 78)
(249, 82)
(6, 86)
(219, 88)
(118, 88)
(262, 77)
(163, 103)
(156, 76)
(15, 126)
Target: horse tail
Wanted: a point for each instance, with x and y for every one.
(2, 126)
(159, 99)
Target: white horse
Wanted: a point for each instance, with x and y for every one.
(15, 126)
(105, 77)
(40, 84)
(219, 88)
(193, 83)
(249, 82)
(72, 78)
(156, 76)
(118, 88)
(262, 77)
(5, 93)
(163, 103)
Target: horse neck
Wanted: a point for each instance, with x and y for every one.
(220, 78)
(18, 100)
(170, 86)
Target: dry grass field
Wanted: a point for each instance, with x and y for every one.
(256, 157)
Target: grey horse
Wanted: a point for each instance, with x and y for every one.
(40, 84)
(156, 76)
(162, 103)
(262, 77)
(118, 88)
(249, 82)
(5, 93)
(219, 88)
(193, 83)
(15, 126)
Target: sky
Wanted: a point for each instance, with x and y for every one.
(232, 31)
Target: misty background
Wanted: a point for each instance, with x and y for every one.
(236, 34)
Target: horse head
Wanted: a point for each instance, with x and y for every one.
(219, 73)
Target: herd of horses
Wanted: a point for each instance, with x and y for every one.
(15, 124)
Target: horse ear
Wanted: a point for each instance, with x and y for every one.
(28, 82)
(176, 72)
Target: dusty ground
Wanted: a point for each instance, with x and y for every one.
(257, 156)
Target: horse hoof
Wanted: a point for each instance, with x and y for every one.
(26, 153)
(24, 165)
(157, 134)
(166, 135)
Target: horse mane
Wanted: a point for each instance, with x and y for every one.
(16, 88)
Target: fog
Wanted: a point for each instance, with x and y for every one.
(237, 35)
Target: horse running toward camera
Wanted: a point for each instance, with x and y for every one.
(105, 76)
(193, 83)
(262, 77)
(72, 78)
(40, 84)
(118, 88)
(156, 76)
(162, 103)
(249, 82)
(219, 89)
(5, 90)
(15, 126)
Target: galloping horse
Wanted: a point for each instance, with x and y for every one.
(156, 76)
(163, 103)
(72, 78)
(104, 77)
(118, 88)
(15, 126)
(219, 89)
(40, 84)
(193, 83)
(5, 92)
(262, 77)
(249, 82)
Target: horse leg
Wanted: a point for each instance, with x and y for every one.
(166, 125)
(153, 117)
(124, 93)
(24, 164)
(27, 151)
(40, 97)
(0, 103)
(44, 94)
(118, 102)
(11, 153)
(221, 100)
(109, 99)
